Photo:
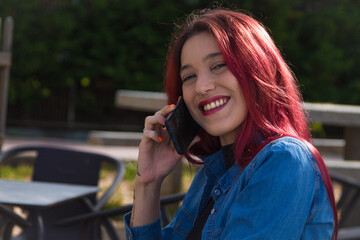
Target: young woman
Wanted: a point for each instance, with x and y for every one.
(261, 178)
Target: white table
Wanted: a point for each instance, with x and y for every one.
(36, 195)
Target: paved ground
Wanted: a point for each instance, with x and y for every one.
(127, 153)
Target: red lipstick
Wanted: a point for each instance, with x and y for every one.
(213, 104)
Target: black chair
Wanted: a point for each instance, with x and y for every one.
(59, 165)
(9, 218)
(348, 206)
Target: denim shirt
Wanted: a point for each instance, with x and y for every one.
(279, 195)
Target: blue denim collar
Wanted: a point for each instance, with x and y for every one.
(215, 165)
(217, 173)
(226, 181)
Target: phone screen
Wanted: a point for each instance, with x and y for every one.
(181, 127)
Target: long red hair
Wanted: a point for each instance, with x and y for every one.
(269, 86)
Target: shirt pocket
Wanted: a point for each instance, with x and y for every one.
(182, 224)
(214, 227)
(216, 234)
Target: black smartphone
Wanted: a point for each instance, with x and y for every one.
(181, 127)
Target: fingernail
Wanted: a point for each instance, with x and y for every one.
(160, 139)
(170, 106)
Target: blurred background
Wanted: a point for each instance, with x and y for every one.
(70, 56)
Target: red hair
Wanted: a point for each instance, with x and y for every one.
(269, 86)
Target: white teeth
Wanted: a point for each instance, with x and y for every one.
(215, 104)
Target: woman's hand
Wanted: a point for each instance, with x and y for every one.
(157, 156)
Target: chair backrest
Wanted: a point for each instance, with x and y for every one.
(5, 63)
(66, 166)
(52, 164)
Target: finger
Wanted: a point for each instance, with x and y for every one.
(150, 134)
(152, 121)
(159, 117)
(166, 110)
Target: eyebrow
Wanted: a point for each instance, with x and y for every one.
(207, 57)
(211, 55)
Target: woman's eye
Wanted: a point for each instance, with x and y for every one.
(218, 66)
(187, 78)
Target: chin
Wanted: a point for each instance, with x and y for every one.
(214, 132)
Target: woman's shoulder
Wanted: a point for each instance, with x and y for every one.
(286, 146)
(285, 163)
(287, 143)
(285, 153)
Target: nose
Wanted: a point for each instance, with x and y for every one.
(204, 84)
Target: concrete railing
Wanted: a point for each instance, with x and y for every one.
(346, 116)
(140, 100)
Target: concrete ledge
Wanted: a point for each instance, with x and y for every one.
(140, 100)
(330, 146)
(114, 138)
(334, 114)
(347, 168)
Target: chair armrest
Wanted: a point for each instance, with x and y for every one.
(120, 171)
(95, 215)
(349, 233)
(116, 211)
(344, 179)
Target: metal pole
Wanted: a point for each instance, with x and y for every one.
(4, 74)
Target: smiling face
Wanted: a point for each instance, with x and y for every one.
(203, 70)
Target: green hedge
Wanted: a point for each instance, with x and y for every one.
(74, 54)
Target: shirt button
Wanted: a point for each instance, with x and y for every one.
(217, 192)
(212, 211)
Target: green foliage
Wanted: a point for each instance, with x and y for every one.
(22, 172)
(130, 171)
(320, 40)
(82, 51)
(317, 130)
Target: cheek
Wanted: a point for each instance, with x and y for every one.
(187, 95)
(243, 108)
